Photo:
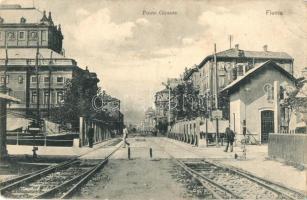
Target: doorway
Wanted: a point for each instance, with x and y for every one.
(267, 125)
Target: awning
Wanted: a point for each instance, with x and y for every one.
(9, 98)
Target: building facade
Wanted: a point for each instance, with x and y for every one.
(231, 65)
(149, 121)
(255, 101)
(32, 56)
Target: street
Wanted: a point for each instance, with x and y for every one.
(143, 177)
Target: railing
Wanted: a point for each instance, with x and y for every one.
(17, 138)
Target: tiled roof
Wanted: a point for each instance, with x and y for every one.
(256, 68)
(233, 53)
(238, 53)
(13, 15)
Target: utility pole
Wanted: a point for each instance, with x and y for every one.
(3, 111)
(216, 95)
(169, 105)
(37, 85)
(230, 40)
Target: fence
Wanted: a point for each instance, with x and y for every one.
(102, 131)
(41, 140)
(194, 131)
(289, 147)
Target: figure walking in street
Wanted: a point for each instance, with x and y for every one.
(90, 135)
(230, 136)
(125, 135)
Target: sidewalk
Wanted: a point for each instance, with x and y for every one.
(257, 162)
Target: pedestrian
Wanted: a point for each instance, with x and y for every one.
(230, 136)
(125, 136)
(90, 135)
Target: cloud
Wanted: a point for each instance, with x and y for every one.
(82, 12)
(142, 21)
(103, 33)
(187, 41)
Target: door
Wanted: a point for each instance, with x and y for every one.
(267, 125)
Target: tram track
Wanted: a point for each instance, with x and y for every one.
(59, 181)
(226, 182)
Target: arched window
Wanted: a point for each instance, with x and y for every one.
(269, 91)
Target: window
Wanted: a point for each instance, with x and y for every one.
(60, 97)
(59, 79)
(46, 97)
(20, 79)
(269, 91)
(33, 35)
(44, 35)
(46, 79)
(1, 36)
(33, 79)
(34, 97)
(11, 36)
(21, 35)
(240, 71)
(7, 79)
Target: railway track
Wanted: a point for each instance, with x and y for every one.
(60, 181)
(225, 182)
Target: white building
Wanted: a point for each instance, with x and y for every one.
(252, 100)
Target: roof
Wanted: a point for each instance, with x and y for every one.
(253, 54)
(13, 14)
(238, 53)
(9, 98)
(163, 91)
(189, 72)
(255, 69)
(302, 92)
(27, 56)
(29, 53)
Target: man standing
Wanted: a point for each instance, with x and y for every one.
(125, 135)
(90, 135)
(230, 136)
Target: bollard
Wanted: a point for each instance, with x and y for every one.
(150, 152)
(129, 153)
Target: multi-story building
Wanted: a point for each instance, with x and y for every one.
(232, 64)
(32, 39)
(149, 121)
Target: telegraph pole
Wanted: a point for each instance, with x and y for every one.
(37, 85)
(216, 96)
(3, 112)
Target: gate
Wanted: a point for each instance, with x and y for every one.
(267, 125)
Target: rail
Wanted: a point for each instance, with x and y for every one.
(218, 176)
(30, 178)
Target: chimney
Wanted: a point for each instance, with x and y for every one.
(237, 46)
(49, 17)
(265, 48)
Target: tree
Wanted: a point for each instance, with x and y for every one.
(188, 102)
(78, 95)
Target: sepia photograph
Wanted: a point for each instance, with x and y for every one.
(153, 99)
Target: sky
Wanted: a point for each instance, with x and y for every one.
(133, 51)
